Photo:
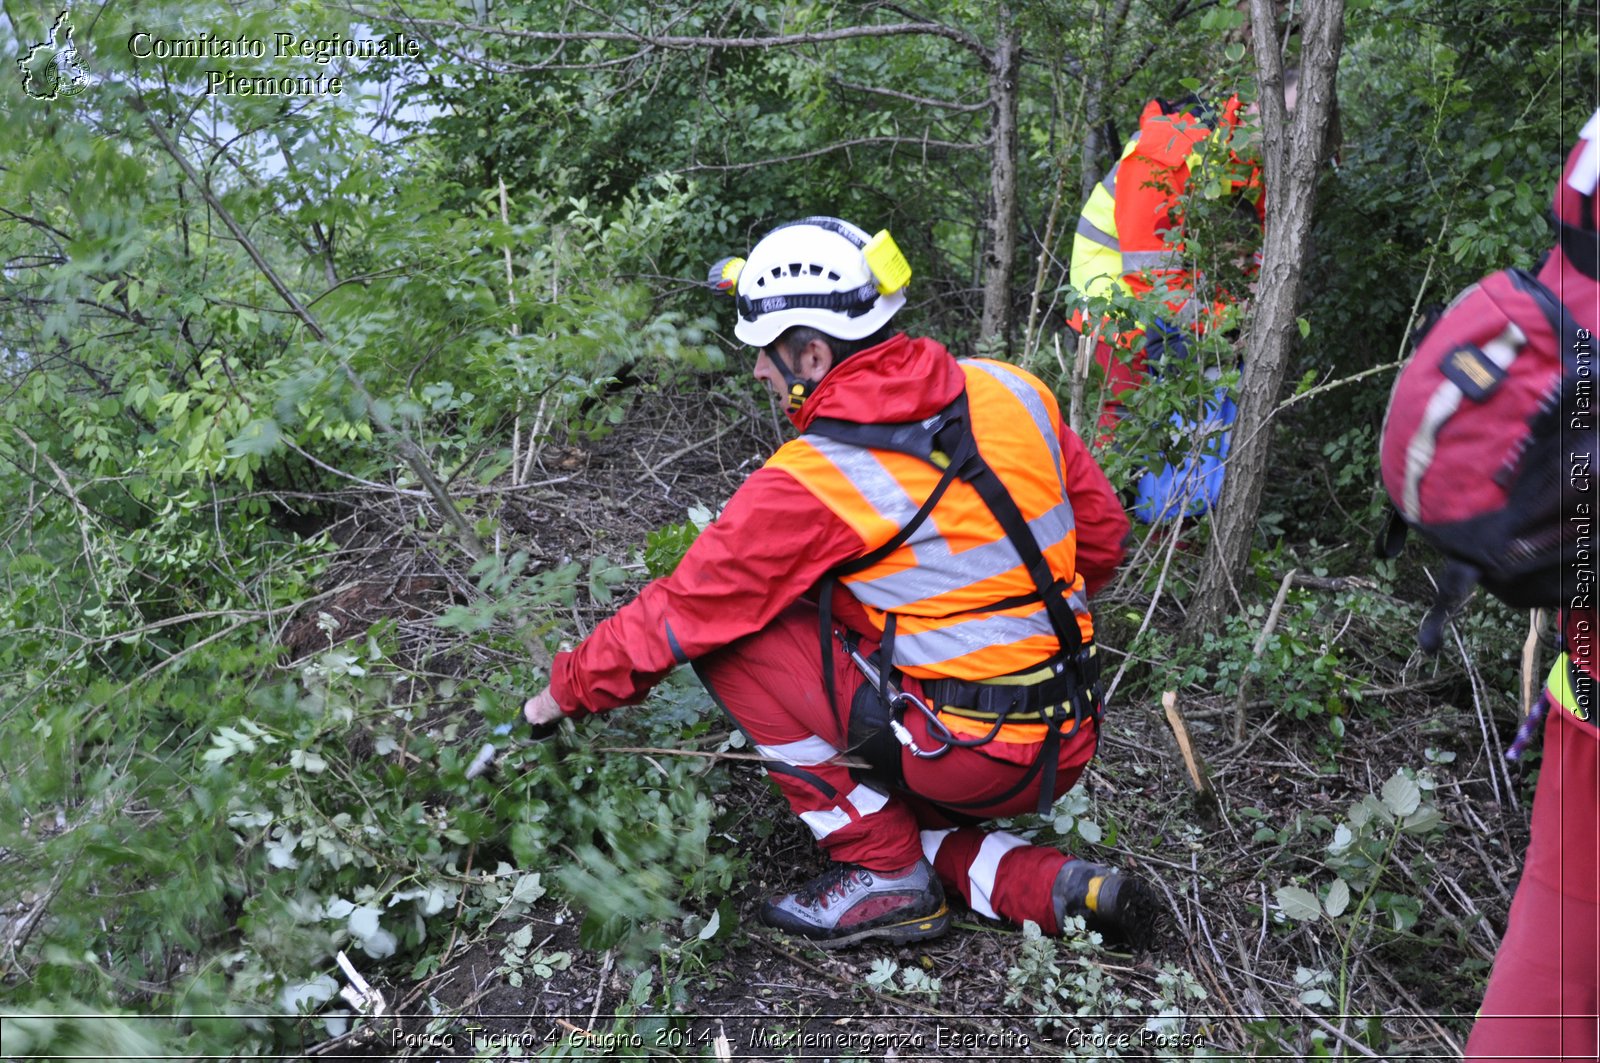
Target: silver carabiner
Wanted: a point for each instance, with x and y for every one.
(897, 699)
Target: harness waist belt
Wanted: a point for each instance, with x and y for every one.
(1044, 701)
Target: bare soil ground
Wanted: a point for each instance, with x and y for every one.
(773, 998)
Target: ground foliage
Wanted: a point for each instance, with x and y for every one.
(248, 652)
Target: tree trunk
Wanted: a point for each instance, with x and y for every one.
(999, 256)
(1097, 72)
(1292, 164)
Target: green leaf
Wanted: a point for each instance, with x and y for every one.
(260, 436)
(363, 922)
(713, 924)
(1298, 903)
(1422, 821)
(883, 972)
(602, 931)
(1343, 836)
(527, 890)
(527, 844)
(1338, 898)
(308, 995)
(307, 761)
(1401, 796)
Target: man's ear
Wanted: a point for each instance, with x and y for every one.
(813, 361)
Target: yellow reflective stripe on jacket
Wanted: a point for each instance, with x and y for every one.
(1022, 734)
(1097, 266)
(1139, 261)
(1560, 687)
(940, 583)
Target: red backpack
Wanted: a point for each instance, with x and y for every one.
(1489, 447)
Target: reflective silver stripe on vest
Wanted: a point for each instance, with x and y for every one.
(1090, 231)
(940, 572)
(1134, 261)
(876, 484)
(879, 487)
(1442, 405)
(1109, 181)
(969, 636)
(1036, 409)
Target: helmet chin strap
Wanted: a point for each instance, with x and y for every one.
(799, 389)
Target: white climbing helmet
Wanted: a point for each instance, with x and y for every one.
(820, 272)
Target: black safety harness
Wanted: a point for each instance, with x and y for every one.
(1060, 694)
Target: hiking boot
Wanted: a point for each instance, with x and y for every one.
(847, 903)
(1121, 908)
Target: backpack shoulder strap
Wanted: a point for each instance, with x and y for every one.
(916, 438)
(1582, 248)
(946, 440)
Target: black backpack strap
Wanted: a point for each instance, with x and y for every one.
(1391, 539)
(1582, 248)
(916, 438)
(972, 468)
(1455, 586)
(904, 438)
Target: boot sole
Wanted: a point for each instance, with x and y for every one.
(1134, 918)
(923, 928)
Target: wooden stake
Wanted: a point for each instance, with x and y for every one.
(1530, 660)
(1198, 777)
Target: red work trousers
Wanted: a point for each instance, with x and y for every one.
(771, 683)
(1544, 991)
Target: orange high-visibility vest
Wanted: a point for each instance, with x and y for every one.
(942, 583)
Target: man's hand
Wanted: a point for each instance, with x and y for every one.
(541, 710)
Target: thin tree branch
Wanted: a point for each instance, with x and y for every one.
(924, 101)
(83, 510)
(789, 40)
(841, 145)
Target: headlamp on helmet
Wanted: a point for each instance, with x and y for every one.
(724, 273)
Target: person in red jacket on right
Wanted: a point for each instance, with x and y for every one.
(1543, 998)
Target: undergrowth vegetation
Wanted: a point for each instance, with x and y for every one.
(326, 420)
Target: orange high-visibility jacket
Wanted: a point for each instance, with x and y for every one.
(1129, 234)
(943, 583)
